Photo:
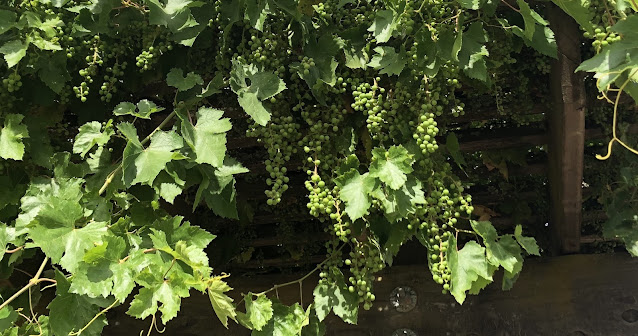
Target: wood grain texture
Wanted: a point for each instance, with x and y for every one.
(575, 295)
(567, 135)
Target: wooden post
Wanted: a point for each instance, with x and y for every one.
(567, 135)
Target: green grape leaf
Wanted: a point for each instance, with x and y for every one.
(622, 224)
(68, 312)
(211, 183)
(224, 203)
(191, 255)
(44, 44)
(142, 165)
(258, 311)
(106, 269)
(230, 167)
(349, 163)
(388, 61)
(164, 281)
(579, 10)
(177, 17)
(263, 85)
(222, 303)
(124, 108)
(7, 20)
(286, 321)
(391, 166)
(314, 327)
(481, 283)
(543, 40)
(510, 277)
(13, 52)
(42, 192)
(214, 86)
(531, 19)
(628, 27)
(385, 22)
(53, 71)
(322, 52)
(472, 4)
(51, 212)
(397, 204)
(355, 191)
(501, 251)
(5, 238)
(334, 296)
(485, 229)
(449, 45)
(256, 13)
(505, 252)
(7, 317)
(473, 52)
(243, 320)
(64, 168)
(253, 106)
(168, 191)
(612, 62)
(145, 302)
(452, 145)
(353, 45)
(176, 79)
(176, 229)
(527, 243)
(11, 135)
(208, 137)
(144, 109)
(466, 266)
(63, 242)
(90, 135)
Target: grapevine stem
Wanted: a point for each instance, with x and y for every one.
(14, 250)
(300, 280)
(109, 179)
(614, 122)
(510, 6)
(611, 19)
(94, 319)
(145, 251)
(34, 281)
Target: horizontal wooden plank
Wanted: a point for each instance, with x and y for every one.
(576, 295)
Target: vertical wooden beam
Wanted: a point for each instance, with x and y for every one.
(567, 135)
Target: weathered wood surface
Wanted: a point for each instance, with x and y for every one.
(575, 295)
(567, 134)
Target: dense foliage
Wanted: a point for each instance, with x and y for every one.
(112, 109)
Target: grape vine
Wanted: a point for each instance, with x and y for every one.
(112, 110)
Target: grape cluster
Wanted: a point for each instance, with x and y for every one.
(150, 55)
(278, 136)
(323, 122)
(426, 131)
(375, 107)
(111, 79)
(603, 36)
(320, 200)
(365, 260)
(13, 82)
(93, 60)
(333, 263)
(264, 51)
